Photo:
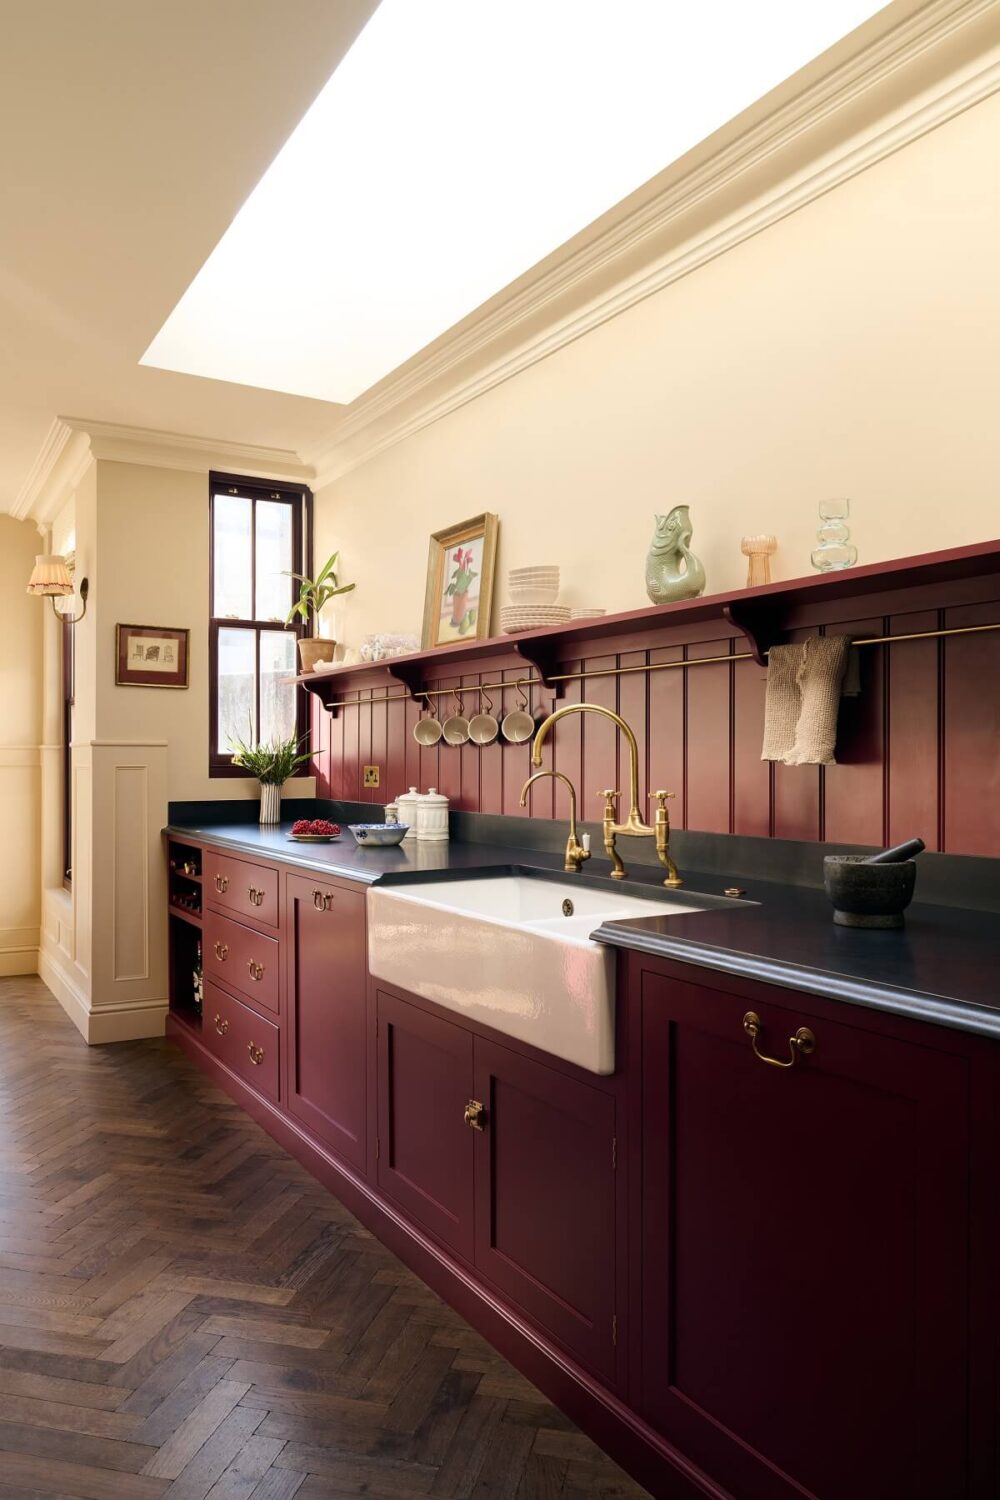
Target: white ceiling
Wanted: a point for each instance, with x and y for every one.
(132, 131)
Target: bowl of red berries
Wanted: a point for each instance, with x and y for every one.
(314, 831)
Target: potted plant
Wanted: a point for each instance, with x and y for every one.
(314, 593)
(272, 765)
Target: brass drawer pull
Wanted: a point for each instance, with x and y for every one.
(256, 1054)
(256, 970)
(221, 1026)
(222, 951)
(221, 883)
(475, 1115)
(322, 900)
(802, 1043)
(256, 896)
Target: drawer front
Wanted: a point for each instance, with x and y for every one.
(246, 889)
(241, 959)
(243, 1040)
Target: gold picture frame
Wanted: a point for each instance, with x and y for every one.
(460, 568)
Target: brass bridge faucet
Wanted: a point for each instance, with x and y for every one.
(576, 852)
(633, 824)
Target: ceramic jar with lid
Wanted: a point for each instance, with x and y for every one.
(407, 810)
(432, 817)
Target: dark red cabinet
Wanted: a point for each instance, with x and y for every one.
(546, 1202)
(806, 1248)
(424, 1158)
(324, 940)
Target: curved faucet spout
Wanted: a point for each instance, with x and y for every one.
(635, 823)
(576, 852)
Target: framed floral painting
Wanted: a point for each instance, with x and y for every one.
(460, 582)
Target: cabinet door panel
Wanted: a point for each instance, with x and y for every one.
(243, 1040)
(804, 1284)
(240, 886)
(425, 1159)
(546, 1200)
(325, 942)
(240, 958)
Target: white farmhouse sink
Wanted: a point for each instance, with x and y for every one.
(501, 950)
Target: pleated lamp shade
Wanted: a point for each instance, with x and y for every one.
(50, 576)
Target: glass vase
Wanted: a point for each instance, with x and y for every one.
(835, 550)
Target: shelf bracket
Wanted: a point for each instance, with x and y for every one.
(757, 624)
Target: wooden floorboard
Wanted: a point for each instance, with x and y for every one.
(185, 1314)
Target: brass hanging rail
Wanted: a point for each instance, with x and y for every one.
(463, 689)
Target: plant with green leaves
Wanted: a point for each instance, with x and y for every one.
(314, 593)
(271, 764)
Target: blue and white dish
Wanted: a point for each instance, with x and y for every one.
(379, 835)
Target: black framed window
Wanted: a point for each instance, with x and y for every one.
(257, 534)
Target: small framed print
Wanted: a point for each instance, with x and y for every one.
(151, 656)
(460, 582)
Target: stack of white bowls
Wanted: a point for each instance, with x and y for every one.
(533, 593)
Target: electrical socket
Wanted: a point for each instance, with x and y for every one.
(371, 776)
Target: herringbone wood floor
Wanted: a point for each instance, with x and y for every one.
(185, 1312)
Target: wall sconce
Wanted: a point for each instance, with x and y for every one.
(51, 578)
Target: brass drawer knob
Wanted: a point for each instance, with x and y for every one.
(322, 900)
(221, 883)
(475, 1115)
(256, 1054)
(256, 896)
(222, 952)
(801, 1044)
(256, 970)
(221, 1026)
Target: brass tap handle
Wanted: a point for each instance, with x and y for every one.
(661, 799)
(256, 896)
(255, 969)
(322, 900)
(221, 883)
(801, 1044)
(475, 1115)
(256, 1054)
(222, 952)
(221, 1026)
(609, 802)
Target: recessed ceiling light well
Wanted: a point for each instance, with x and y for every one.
(457, 144)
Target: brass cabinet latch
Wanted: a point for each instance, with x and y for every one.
(322, 900)
(801, 1044)
(475, 1114)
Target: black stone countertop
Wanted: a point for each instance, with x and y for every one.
(943, 966)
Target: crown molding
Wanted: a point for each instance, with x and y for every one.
(118, 443)
(907, 71)
(59, 466)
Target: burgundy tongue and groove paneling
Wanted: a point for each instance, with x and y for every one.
(918, 751)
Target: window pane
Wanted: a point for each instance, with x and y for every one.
(274, 557)
(232, 520)
(236, 687)
(277, 692)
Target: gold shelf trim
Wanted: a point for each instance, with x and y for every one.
(466, 689)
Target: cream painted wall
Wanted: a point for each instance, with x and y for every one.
(852, 349)
(153, 544)
(21, 626)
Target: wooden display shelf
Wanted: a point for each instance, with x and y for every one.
(194, 917)
(761, 615)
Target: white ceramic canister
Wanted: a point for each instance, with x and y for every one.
(407, 805)
(432, 817)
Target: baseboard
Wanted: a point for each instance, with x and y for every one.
(73, 1001)
(99, 1025)
(618, 1430)
(15, 961)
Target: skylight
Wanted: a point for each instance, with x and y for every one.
(457, 144)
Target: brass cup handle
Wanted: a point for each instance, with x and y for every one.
(256, 896)
(255, 970)
(221, 1026)
(322, 900)
(222, 951)
(475, 1115)
(221, 883)
(801, 1044)
(255, 1053)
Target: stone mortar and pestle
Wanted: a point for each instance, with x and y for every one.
(872, 890)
